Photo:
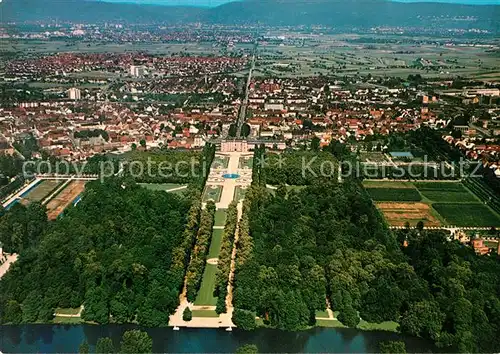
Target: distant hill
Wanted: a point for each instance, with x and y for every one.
(338, 13)
(95, 11)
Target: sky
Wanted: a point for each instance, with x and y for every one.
(212, 3)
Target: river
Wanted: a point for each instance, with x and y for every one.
(67, 338)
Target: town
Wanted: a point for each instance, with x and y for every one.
(245, 177)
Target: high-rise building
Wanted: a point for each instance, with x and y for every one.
(74, 94)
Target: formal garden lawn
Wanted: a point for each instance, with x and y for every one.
(220, 217)
(204, 313)
(245, 162)
(205, 294)
(220, 162)
(215, 243)
(239, 193)
(467, 214)
(212, 193)
(322, 314)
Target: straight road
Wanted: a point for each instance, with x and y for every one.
(244, 104)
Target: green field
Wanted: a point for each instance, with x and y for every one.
(215, 243)
(467, 214)
(205, 294)
(220, 217)
(449, 196)
(394, 194)
(212, 193)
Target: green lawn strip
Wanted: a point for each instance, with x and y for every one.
(467, 214)
(220, 217)
(205, 294)
(160, 186)
(322, 314)
(67, 320)
(205, 313)
(288, 188)
(394, 194)
(67, 311)
(383, 326)
(329, 323)
(215, 243)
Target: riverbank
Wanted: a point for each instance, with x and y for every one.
(67, 338)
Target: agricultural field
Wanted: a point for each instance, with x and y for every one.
(64, 198)
(40, 191)
(394, 194)
(446, 192)
(397, 214)
(467, 214)
(212, 193)
(342, 54)
(434, 203)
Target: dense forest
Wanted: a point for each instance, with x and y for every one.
(298, 168)
(167, 166)
(122, 251)
(297, 249)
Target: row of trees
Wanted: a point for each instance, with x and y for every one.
(133, 341)
(200, 251)
(224, 262)
(121, 251)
